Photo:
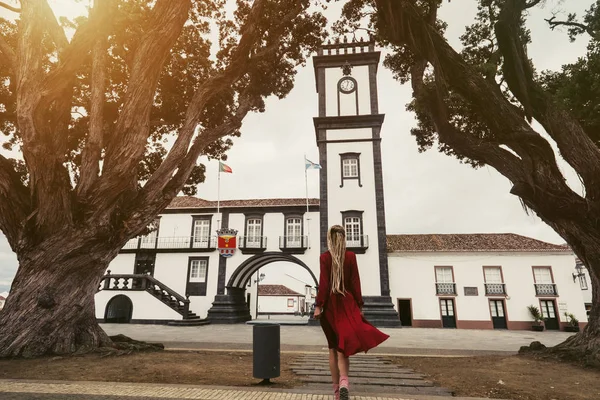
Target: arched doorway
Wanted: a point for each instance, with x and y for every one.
(242, 275)
(118, 310)
(233, 306)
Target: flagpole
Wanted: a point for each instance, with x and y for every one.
(219, 196)
(307, 215)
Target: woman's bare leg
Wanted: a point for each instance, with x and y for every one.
(344, 367)
(335, 372)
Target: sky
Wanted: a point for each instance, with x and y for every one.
(424, 192)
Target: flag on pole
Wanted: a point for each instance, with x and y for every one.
(311, 165)
(225, 168)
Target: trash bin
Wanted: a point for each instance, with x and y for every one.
(266, 351)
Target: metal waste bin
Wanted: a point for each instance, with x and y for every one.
(266, 351)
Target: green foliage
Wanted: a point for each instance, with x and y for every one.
(571, 319)
(535, 314)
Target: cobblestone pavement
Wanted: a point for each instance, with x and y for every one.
(29, 390)
(311, 338)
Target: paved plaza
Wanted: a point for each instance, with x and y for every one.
(404, 341)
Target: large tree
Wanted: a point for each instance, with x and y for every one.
(478, 104)
(89, 104)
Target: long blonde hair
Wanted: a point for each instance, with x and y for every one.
(336, 242)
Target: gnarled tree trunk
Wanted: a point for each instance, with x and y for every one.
(51, 309)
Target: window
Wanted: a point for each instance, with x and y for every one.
(444, 281)
(254, 232)
(350, 167)
(542, 275)
(492, 274)
(149, 240)
(544, 283)
(494, 284)
(443, 275)
(201, 231)
(198, 270)
(293, 231)
(583, 282)
(290, 303)
(353, 231)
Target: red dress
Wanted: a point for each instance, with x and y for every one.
(344, 326)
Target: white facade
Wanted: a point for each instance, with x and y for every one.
(274, 305)
(413, 277)
(173, 257)
(427, 287)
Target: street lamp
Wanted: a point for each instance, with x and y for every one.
(257, 281)
(579, 269)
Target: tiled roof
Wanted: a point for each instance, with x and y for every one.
(469, 242)
(276, 290)
(195, 202)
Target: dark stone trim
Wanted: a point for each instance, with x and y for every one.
(155, 251)
(242, 210)
(349, 140)
(195, 218)
(350, 156)
(196, 288)
(322, 91)
(384, 276)
(222, 260)
(348, 122)
(323, 217)
(355, 91)
(321, 62)
(373, 89)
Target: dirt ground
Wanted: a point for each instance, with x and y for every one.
(193, 368)
(514, 377)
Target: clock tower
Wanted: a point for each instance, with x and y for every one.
(348, 132)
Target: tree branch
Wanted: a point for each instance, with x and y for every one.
(241, 59)
(90, 159)
(575, 146)
(152, 203)
(14, 203)
(9, 7)
(132, 128)
(583, 27)
(54, 29)
(404, 26)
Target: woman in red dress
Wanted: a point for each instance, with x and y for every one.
(339, 308)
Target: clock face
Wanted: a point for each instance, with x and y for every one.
(347, 85)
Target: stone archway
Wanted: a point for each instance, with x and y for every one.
(232, 308)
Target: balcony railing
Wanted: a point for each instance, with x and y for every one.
(166, 243)
(445, 288)
(546, 289)
(357, 242)
(293, 242)
(495, 288)
(252, 242)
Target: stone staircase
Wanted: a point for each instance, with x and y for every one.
(369, 374)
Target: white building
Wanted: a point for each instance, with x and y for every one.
(582, 275)
(425, 280)
(280, 300)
